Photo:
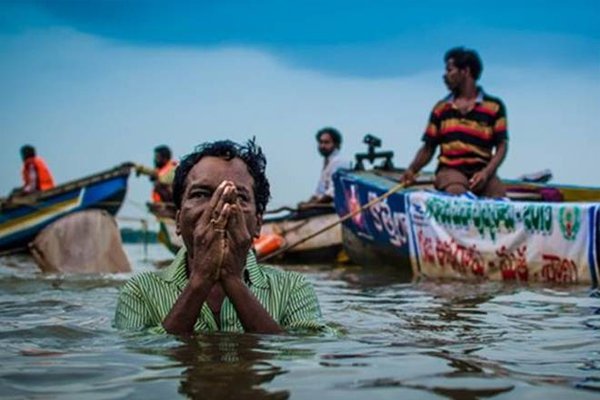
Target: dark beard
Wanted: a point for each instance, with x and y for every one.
(325, 153)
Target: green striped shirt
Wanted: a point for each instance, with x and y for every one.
(288, 297)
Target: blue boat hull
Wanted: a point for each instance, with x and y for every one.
(378, 236)
(425, 233)
(23, 218)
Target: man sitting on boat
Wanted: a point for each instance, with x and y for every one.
(36, 174)
(329, 141)
(220, 192)
(468, 125)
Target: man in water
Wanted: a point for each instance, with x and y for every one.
(329, 142)
(470, 127)
(35, 173)
(215, 283)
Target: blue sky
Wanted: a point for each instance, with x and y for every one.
(92, 84)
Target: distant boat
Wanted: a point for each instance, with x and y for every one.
(290, 224)
(543, 232)
(23, 217)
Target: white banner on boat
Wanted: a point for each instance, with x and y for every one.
(459, 237)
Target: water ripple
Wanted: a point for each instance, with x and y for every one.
(397, 339)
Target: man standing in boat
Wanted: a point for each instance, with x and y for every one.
(162, 175)
(329, 142)
(220, 192)
(36, 174)
(470, 127)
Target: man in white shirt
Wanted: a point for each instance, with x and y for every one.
(329, 143)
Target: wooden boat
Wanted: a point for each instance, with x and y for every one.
(23, 217)
(290, 224)
(295, 225)
(542, 232)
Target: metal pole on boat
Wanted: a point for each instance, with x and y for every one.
(335, 223)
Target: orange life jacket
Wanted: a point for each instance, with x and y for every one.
(45, 180)
(268, 243)
(162, 171)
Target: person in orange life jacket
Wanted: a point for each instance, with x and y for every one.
(470, 127)
(35, 173)
(163, 175)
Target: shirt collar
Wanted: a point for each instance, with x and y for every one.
(177, 271)
(480, 93)
(333, 154)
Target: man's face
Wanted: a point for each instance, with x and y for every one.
(200, 184)
(159, 160)
(454, 77)
(326, 144)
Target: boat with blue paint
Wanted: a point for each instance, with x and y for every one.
(23, 217)
(541, 232)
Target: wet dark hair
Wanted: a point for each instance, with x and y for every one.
(27, 151)
(250, 153)
(164, 151)
(464, 58)
(336, 136)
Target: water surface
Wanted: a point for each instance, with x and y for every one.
(397, 339)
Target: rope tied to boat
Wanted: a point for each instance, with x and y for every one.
(340, 220)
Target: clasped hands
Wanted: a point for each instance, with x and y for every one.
(221, 238)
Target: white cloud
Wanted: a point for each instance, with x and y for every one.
(89, 104)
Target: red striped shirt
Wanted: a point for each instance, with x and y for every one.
(467, 140)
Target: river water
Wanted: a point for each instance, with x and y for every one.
(397, 339)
